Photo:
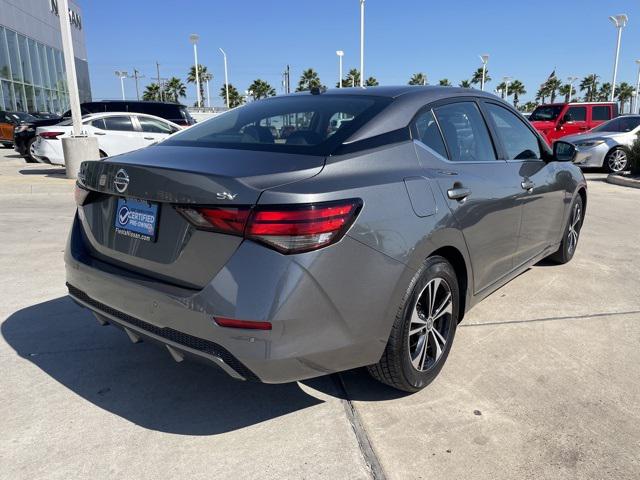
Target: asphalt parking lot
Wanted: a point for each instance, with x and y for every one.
(542, 380)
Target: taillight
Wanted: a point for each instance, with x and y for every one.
(287, 229)
(80, 194)
(50, 135)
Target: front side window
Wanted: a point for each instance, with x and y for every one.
(577, 114)
(311, 124)
(99, 123)
(465, 132)
(427, 131)
(118, 123)
(519, 142)
(600, 113)
(545, 113)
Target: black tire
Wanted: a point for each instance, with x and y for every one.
(396, 368)
(567, 248)
(27, 155)
(616, 161)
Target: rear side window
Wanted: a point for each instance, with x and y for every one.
(98, 124)
(310, 124)
(519, 142)
(601, 112)
(577, 114)
(465, 132)
(118, 123)
(152, 125)
(426, 130)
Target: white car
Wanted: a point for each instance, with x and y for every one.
(117, 132)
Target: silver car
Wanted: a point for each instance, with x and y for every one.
(360, 239)
(608, 144)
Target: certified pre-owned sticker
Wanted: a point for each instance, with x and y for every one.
(136, 219)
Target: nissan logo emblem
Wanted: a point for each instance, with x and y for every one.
(121, 180)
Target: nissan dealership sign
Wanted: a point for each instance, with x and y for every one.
(74, 17)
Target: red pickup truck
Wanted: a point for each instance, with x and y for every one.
(557, 120)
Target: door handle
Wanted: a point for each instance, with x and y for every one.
(99, 133)
(149, 138)
(527, 185)
(458, 193)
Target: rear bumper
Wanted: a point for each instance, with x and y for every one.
(327, 316)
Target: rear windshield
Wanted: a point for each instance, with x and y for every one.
(620, 124)
(311, 124)
(22, 117)
(545, 113)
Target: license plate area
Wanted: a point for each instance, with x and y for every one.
(136, 219)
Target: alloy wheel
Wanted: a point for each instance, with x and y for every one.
(617, 161)
(574, 229)
(430, 325)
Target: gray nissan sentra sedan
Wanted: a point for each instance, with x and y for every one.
(308, 234)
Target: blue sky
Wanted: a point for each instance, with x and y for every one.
(525, 40)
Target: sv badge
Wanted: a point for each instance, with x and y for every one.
(226, 195)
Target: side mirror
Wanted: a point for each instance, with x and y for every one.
(564, 151)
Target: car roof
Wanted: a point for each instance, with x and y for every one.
(144, 102)
(94, 116)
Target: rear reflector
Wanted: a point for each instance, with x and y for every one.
(50, 135)
(287, 229)
(248, 324)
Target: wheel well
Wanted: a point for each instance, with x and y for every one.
(583, 194)
(455, 258)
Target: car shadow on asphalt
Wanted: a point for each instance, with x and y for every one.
(141, 383)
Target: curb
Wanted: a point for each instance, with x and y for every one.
(623, 181)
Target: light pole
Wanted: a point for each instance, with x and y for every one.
(226, 77)
(571, 80)
(340, 54)
(193, 38)
(362, 43)
(506, 87)
(485, 59)
(620, 21)
(122, 75)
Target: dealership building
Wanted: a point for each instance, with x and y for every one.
(32, 67)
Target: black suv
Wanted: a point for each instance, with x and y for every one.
(25, 134)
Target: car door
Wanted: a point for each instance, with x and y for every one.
(541, 195)
(119, 135)
(6, 128)
(575, 120)
(155, 129)
(480, 190)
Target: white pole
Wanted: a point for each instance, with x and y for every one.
(635, 107)
(122, 86)
(69, 60)
(195, 55)
(362, 43)
(226, 77)
(208, 96)
(484, 70)
(620, 21)
(340, 54)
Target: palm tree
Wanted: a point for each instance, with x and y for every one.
(552, 85)
(542, 93)
(566, 90)
(604, 93)
(308, 80)
(151, 92)
(235, 99)
(476, 78)
(261, 89)
(203, 75)
(624, 92)
(517, 88)
(418, 79)
(465, 84)
(371, 82)
(175, 89)
(352, 79)
(590, 84)
(528, 107)
(444, 82)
